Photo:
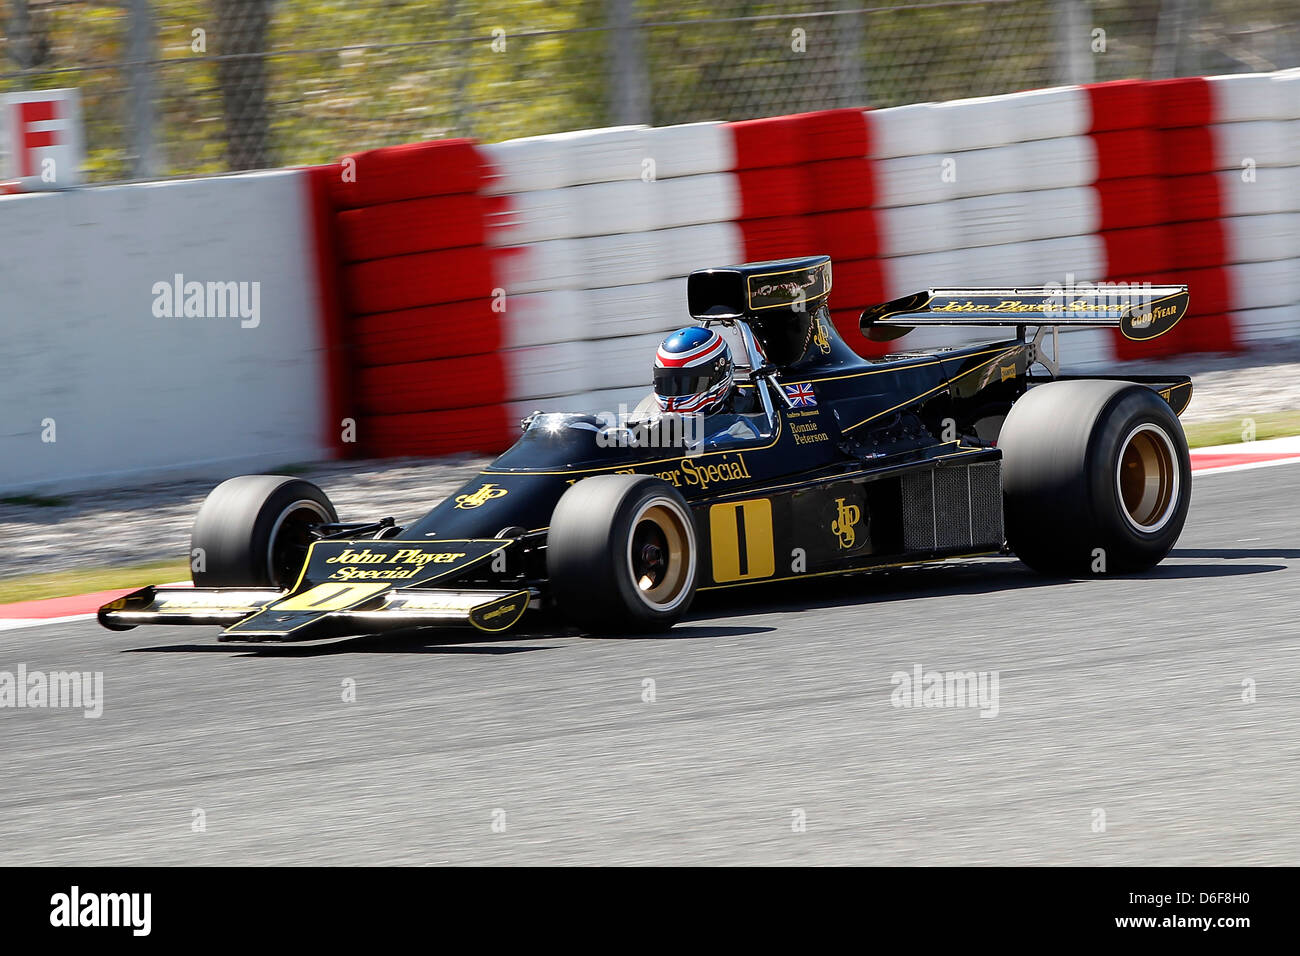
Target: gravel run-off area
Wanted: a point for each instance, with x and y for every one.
(152, 522)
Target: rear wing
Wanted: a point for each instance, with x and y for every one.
(1139, 312)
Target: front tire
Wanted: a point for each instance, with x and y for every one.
(254, 531)
(1096, 478)
(621, 554)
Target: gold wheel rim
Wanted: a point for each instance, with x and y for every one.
(1147, 478)
(661, 559)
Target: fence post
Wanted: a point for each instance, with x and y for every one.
(19, 28)
(141, 50)
(242, 29)
(1074, 64)
(629, 81)
(850, 30)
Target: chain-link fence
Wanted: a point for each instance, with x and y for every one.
(175, 87)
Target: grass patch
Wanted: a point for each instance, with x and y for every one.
(1270, 425)
(36, 587)
(35, 501)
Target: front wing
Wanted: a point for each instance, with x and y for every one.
(346, 587)
(388, 610)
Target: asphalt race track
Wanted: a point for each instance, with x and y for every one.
(1117, 695)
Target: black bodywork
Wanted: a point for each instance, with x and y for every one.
(825, 491)
(874, 463)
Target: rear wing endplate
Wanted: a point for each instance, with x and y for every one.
(1139, 312)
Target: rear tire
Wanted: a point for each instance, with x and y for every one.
(621, 554)
(1096, 478)
(254, 531)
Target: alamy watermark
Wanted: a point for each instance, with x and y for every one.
(76, 908)
(922, 688)
(1077, 293)
(74, 690)
(179, 299)
(622, 429)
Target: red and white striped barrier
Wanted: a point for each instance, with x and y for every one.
(425, 372)
(593, 232)
(458, 286)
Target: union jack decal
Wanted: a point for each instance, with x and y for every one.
(800, 395)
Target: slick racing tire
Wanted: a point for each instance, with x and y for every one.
(1096, 478)
(621, 554)
(254, 531)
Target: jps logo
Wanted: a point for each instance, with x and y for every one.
(821, 338)
(1007, 371)
(481, 497)
(847, 518)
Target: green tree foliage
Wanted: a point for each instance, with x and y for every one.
(344, 75)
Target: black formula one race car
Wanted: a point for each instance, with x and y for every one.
(843, 465)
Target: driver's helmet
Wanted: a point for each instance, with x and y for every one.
(693, 370)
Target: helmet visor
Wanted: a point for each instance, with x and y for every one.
(676, 382)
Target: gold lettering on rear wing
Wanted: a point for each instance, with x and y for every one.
(1139, 313)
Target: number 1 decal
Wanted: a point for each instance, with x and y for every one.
(330, 597)
(740, 533)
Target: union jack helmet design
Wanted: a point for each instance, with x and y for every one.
(693, 370)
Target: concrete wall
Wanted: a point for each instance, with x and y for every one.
(462, 285)
(134, 396)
